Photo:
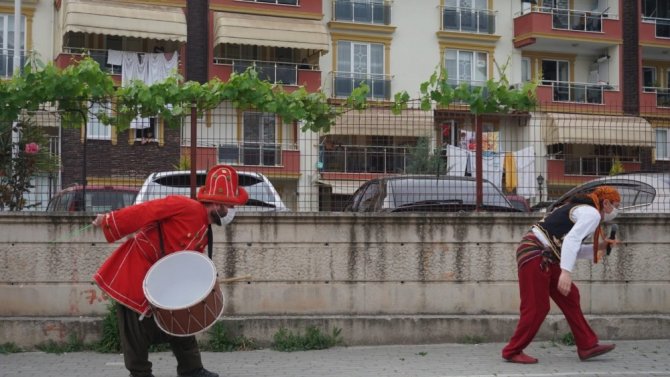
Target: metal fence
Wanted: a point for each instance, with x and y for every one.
(528, 161)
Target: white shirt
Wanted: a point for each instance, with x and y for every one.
(586, 219)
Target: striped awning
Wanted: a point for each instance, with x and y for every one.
(382, 122)
(257, 30)
(560, 128)
(124, 19)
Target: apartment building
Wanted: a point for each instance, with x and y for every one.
(602, 68)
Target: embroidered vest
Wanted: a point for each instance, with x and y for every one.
(556, 225)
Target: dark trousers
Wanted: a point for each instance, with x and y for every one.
(136, 336)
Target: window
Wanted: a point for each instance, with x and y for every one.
(359, 62)
(363, 11)
(663, 144)
(525, 70)
(649, 77)
(7, 43)
(469, 67)
(96, 130)
(470, 16)
(260, 141)
(146, 129)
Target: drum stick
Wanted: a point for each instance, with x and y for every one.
(72, 235)
(236, 278)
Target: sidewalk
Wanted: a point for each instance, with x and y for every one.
(629, 359)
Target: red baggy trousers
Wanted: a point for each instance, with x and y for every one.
(536, 285)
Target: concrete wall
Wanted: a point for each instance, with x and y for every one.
(382, 279)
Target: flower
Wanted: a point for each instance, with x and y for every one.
(32, 148)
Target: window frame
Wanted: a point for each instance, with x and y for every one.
(473, 71)
(5, 50)
(94, 123)
(666, 157)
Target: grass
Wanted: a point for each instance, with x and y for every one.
(474, 339)
(221, 340)
(313, 339)
(7, 348)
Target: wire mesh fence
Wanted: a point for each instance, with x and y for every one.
(369, 161)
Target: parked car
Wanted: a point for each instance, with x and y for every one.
(262, 194)
(640, 192)
(426, 194)
(98, 198)
(519, 202)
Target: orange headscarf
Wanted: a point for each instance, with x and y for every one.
(598, 195)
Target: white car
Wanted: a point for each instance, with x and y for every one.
(263, 196)
(640, 192)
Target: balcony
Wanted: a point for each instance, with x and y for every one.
(343, 83)
(374, 13)
(288, 74)
(653, 28)
(562, 27)
(72, 54)
(365, 159)
(468, 20)
(655, 101)
(578, 93)
(7, 63)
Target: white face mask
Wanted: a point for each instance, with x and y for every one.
(610, 216)
(228, 218)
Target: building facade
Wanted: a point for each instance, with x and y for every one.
(602, 68)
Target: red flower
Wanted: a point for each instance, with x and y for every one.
(32, 148)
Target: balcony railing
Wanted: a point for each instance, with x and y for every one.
(378, 13)
(365, 159)
(662, 95)
(251, 153)
(662, 26)
(98, 55)
(575, 20)
(7, 62)
(345, 82)
(274, 72)
(577, 92)
(468, 20)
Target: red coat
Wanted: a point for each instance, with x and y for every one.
(184, 225)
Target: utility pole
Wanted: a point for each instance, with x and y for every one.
(17, 66)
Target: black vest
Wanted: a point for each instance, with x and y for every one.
(556, 225)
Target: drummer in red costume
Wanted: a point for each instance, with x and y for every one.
(183, 224)
(546, 257)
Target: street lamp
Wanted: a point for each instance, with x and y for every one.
(540, 183)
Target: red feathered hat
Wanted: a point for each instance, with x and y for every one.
(221, 186)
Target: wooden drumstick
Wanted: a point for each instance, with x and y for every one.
(237, 278)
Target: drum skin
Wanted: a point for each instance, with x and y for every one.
(183, 293)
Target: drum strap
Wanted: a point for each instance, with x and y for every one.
(210, 241)
(160, 239)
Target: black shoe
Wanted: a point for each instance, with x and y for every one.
(202, 372)
(134, 375)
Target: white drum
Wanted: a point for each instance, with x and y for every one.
(184, 293)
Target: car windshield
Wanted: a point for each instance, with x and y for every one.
(411, 191)
(260, 193)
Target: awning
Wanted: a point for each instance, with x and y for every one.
(341, 187)
(251, 29)
(416, 123)
(561, 128)
(126, 20)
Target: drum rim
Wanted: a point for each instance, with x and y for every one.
(204, 296)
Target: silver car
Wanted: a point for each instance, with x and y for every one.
(640, 192)
(426, 194)
(263, 196)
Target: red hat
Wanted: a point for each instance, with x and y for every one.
(221, 186)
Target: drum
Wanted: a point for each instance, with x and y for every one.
(184, 293)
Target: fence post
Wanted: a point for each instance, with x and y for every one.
(194, 156)
(478, 163)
